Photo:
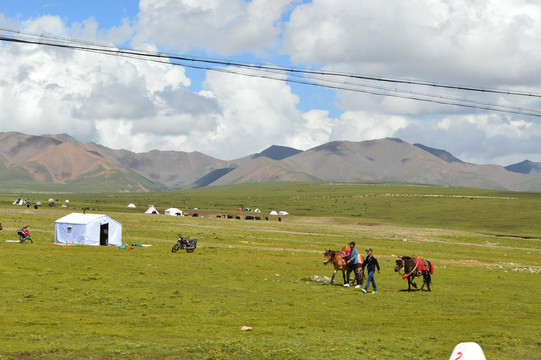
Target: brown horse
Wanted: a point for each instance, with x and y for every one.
(415, 267)
(340, 264)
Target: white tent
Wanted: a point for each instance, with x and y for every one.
(151, 210)
(273, 212)
(19, 202)
(257, 210)
(283, 213)
(87, 229)
(131, 205)
(173, 212)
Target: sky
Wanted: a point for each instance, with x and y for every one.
(138, 105)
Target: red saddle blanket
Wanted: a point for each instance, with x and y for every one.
(421, 265)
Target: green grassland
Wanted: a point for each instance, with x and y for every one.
(62, 302)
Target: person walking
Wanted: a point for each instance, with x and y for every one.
(352, 262)
(371, 264)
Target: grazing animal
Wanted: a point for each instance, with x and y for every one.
(337, 259)
(415, 267)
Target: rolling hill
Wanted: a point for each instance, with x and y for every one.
(59, 163)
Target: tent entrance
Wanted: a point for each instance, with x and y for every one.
(104, 234)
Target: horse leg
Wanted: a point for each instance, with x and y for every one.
(424, 282)
(412, 279)
(428, 281)
(344, 276)
(332, 279)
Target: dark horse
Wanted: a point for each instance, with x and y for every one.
(337, 258)
(415, 267)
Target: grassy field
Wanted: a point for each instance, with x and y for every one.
(148, 303)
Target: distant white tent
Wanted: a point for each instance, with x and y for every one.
(87, 229)
(283, 213)
(131, 205)
(151, 210)
(67, 200)
(257, 210)
(19, 202)
(273, 212)
(50, 200)
(173, 212)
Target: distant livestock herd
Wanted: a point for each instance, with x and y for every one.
(247, 217)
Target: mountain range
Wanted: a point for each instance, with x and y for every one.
(60, 163)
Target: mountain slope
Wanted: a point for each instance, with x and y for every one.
(525, 167)
(37, 161)
(171, 169)
(442, 154)
(61, 163)
(276, 152)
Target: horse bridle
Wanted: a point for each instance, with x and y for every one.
(404, 267)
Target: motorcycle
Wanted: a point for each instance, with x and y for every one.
(24, 235)
(184, 243)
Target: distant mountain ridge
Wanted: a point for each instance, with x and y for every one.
(442, 154)
(276, 152)
(61, 163)
(526, 167)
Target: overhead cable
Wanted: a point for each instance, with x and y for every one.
(321, 78)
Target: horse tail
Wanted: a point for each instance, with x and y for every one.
(430, 271)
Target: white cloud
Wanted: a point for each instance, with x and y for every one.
(112, 100)
(123, 103)
(255, 114)
(458, 41)
(316, 130)
(225, 27)
(359, 126)
(478, 138)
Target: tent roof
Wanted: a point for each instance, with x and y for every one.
(174, 209)
(78, 218)
(151, 210)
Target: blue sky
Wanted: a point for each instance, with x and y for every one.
(107, 13)
(140, 106)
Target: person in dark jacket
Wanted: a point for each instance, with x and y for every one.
(352, 262)
(371, 264)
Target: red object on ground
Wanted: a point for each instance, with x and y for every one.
(131, 247)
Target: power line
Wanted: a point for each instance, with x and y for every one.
(321, 78)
